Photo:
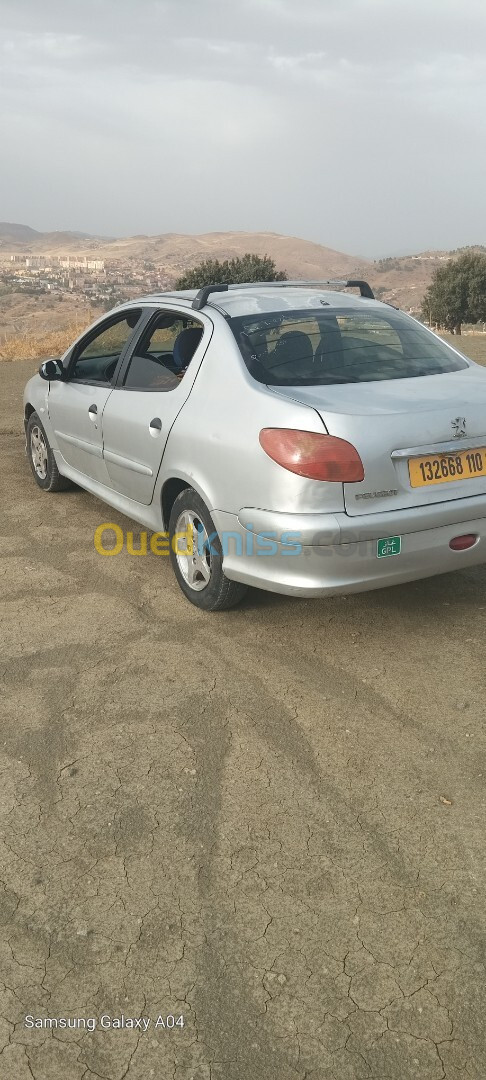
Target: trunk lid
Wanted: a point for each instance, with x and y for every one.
(383, 418)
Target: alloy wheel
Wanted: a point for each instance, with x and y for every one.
(38, 451)
(192, 550)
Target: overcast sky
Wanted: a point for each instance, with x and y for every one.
(360, 124)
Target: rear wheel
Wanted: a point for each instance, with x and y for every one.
(197, 560)
(41, 458)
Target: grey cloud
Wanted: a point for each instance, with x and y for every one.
(358, 123)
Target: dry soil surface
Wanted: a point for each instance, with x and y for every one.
(268, 821)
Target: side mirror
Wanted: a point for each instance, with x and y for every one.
(51, 370)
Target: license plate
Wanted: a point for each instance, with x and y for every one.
(444, 468)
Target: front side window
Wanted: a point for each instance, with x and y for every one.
(164, 352)
(339, 346)
(96, 361)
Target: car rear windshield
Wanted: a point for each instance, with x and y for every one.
(318, 348)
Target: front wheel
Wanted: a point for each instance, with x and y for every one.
(196, 556)
(41, 458)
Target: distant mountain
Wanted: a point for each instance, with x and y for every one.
(15, 235)
(176, 253)
(11, 231)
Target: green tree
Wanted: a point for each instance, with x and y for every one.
(231, 272)
(457, 293)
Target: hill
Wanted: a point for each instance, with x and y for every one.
(17, 234)
(400, 280)
(21, 238)
(178, 252)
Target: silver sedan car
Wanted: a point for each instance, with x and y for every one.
(281, 435)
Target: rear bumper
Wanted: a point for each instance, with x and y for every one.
(339, 528)
(315, 555)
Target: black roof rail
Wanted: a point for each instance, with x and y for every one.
(364, 288)
(203, 295)
(201, 299)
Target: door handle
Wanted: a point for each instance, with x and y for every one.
(155, 426)
(93, 413)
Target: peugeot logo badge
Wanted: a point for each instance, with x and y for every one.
(459, 427)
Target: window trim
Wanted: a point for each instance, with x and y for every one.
(93, 332)
(155, 314)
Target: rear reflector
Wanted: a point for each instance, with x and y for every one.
(461, 543)
(318, 457)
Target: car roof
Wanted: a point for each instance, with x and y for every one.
(246, 302)
(263, 298)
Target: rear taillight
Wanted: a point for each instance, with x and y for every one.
(318, 457)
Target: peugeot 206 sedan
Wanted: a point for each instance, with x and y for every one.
(282, 435)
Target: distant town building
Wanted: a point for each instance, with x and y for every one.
(70, 262)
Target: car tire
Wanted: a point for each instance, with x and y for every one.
(200, 574)
(42, 461)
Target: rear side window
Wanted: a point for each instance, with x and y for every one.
(326, 347)
(164, 352)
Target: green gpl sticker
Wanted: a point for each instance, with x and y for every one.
(392, 545)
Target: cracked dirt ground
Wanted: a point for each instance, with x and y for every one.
(234, 817)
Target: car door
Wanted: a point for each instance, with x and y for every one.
(76, 404)
(153, 383)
